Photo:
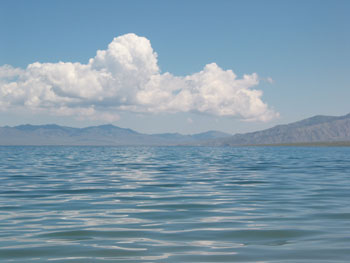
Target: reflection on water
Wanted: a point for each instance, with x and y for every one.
(174, 204)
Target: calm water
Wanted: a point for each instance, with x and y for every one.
(174, 204)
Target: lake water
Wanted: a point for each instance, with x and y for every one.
(174, 204)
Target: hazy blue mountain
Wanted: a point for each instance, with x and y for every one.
(315, 129)
(210, 135)
(53, 134)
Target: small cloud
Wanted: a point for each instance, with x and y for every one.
(270, 80)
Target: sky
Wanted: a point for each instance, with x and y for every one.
(173, 66)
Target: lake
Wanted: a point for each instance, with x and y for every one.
(174, 204)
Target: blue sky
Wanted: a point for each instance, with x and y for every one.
(300, 51)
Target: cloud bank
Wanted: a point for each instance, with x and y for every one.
(126, 77)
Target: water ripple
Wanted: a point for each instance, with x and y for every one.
(174, 204)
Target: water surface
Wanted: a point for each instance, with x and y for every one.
(174, 204)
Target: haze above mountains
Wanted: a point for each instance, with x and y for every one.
(317, 129)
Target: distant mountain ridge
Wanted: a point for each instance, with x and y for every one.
(315, 129)
(52, 134)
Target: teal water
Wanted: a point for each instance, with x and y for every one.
(174, 204)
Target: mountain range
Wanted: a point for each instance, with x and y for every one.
(103, 135)
(317, 129)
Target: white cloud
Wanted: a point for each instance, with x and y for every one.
(270, 80)
(126, 77)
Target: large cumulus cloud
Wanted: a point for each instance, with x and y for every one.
(126, 77)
